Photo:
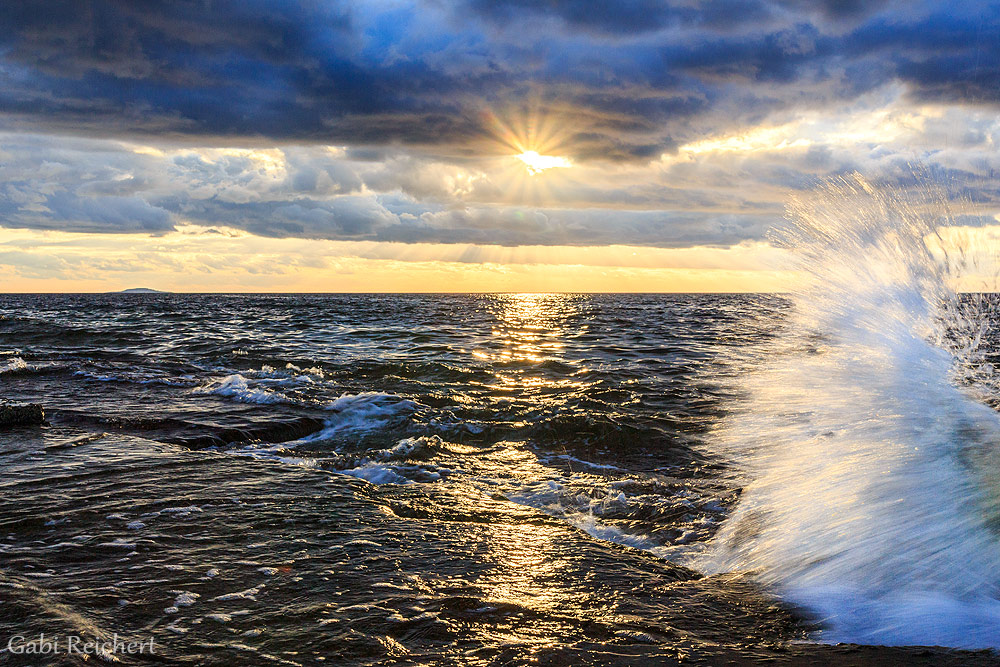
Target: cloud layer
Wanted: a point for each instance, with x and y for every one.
(642, 77)
(688, 123)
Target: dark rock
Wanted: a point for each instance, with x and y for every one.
(21, 415)
(271, 432)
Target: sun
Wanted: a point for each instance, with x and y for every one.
(536, 163)
(527, 143)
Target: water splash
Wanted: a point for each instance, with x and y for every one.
(870, 462)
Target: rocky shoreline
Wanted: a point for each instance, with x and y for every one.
(21, 414)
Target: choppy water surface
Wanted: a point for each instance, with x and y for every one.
(401, 479)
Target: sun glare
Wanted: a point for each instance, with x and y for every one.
(525, 141)
(536, 163)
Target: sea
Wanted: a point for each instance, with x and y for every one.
(511, 479)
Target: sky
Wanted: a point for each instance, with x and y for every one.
(474, 145)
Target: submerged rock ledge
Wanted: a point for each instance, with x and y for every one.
(25, 414)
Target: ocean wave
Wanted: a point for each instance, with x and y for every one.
(407, 448)
(266, 385)
(361, 412)
(15, 365)
(391, 465)
(290, 375)
(382, 466)
(376, 474)
(235, 386)
(869, 466)
(136, 378)
(666, 518)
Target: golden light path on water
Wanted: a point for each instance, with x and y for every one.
(530, 559)
(530, 330)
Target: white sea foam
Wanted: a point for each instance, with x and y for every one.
(585, 502)
(289, 375)
(375, 466)
(185, 599)
(248, 594)
(236, 387)
(870, 469)
(597, 466)
(361, 412)
(376, 474)
(179, 511)
(370, 403)
(136, 378)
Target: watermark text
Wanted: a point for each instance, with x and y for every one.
(43, 644)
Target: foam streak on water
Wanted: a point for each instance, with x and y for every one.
(870, 491)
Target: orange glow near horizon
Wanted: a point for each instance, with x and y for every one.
(195, 259)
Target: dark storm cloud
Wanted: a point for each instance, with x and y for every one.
(946, 57)
(628, 17)
(643, 75)
(631, 17)
(280, 71)
(139, 114)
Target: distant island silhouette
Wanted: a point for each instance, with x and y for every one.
(141, 290)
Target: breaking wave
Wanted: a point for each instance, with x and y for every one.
(867, 453)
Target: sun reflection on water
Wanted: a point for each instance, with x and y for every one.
(530, 556)
(528, 568)
(527, 345)
(528, 350)
(531, 327)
